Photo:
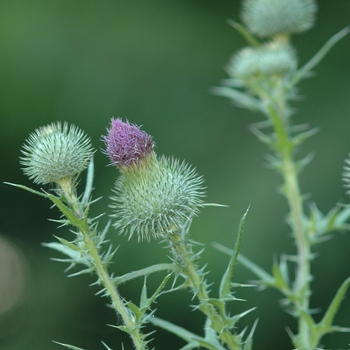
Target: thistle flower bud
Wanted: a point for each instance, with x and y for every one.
(270, 59)
(54, 152)
(266, 18)
(127, 144)
(153, 196)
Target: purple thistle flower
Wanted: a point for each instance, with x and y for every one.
(126, 144)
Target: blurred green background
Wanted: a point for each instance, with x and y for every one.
(154, 63)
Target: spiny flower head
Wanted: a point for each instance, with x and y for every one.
(266, 18)
(156, 199)
(153, 196)
(55, 152)
(126, 144)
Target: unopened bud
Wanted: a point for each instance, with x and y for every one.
(54, 152)
(266, 18)
(153, 196)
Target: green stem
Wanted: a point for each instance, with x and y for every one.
(301, 291)
(183, 256)
(302, 282)
(111, 291)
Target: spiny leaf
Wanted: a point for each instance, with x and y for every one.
(135, 309)
(145, 302)
(27, 189)
(248, 343)
(68, 213)
(244, 32)
(89, 182)
(225, 285)
(146, 271)
(265, 277)
(302, 72)
(70, 245)
(75, 256)
(219, 305)
(183, 333)
(241, 99)
(327, 319)
(280, 272)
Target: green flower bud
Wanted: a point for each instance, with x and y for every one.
(266, 18)
(154, 196)
(270, 59)
(55, 153)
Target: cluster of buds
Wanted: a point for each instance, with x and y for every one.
(275, 21)
(154, 196)
(268, 18)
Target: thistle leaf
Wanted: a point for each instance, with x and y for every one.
(327, 319)
(280, 272)
(303, 71)
(74, 220)
(75, 256)
(241, 29)
(241, 99)
(225, 285)
(135, 309)
(89, 182)
(146, 271)
(26, 188)
(145, 302)
(265, 278)
(68, 244)
(248, 343)
(194, 340)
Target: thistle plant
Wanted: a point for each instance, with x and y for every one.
(155, 198)
(263, 78)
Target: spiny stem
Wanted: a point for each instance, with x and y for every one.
(182, 255)
(302, 282)
(284, 147)
(103, 276)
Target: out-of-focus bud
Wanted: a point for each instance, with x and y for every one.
(266, 18)
(270, 60)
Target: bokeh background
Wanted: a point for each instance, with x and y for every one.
(154, 63)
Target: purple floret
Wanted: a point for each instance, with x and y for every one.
(127, 144)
